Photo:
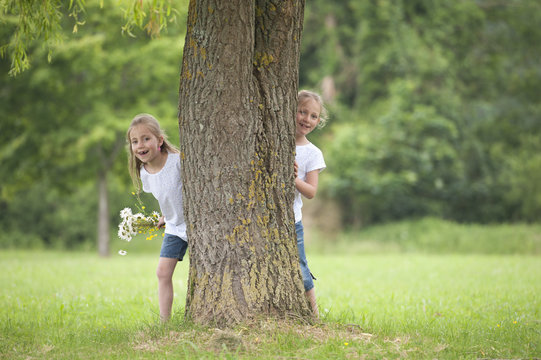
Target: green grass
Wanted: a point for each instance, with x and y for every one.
(435, 236)
(59, 305)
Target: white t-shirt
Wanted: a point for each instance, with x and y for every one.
(309, 158)
(166, 187)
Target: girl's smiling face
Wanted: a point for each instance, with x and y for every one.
(144, 144)
(307, 117)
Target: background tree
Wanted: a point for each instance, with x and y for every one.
(238, 94)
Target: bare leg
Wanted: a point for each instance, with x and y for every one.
(311, 296)
(166, 267)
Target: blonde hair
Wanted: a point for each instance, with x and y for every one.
(305, 95)
(134, 164)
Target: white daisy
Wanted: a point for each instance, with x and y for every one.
(125, 213)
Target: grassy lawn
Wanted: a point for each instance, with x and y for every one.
(62, 305)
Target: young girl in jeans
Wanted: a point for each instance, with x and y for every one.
(155, 163)
(308, 164)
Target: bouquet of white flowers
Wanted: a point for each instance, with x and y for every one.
(139, 223)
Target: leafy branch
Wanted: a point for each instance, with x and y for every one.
(41, 20)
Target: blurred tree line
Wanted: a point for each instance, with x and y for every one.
(434, 111)
(435, 107)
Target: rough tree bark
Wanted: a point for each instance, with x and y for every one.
(238, 92)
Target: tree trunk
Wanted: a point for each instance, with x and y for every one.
(107, 159)
(238, 98)
(103, 215)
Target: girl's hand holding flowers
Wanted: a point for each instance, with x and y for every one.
(139, 223)
(161, 222)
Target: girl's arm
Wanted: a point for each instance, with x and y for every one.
(308, 187)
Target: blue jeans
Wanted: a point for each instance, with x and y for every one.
(173, 247)
(307, 276)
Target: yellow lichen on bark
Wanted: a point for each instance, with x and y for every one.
(241, 233)
(263, 60)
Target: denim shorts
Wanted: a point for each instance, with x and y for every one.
(307, 276)
(173, 247)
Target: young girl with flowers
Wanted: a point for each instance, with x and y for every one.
(155, 163)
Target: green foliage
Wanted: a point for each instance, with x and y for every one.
(32, 20)
(406, 68)
(523, 174)
(46, 21)
(405, 164)
(64, 122)
(425, 306)
(42, 217)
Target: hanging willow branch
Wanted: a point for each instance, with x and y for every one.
(41, 20)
